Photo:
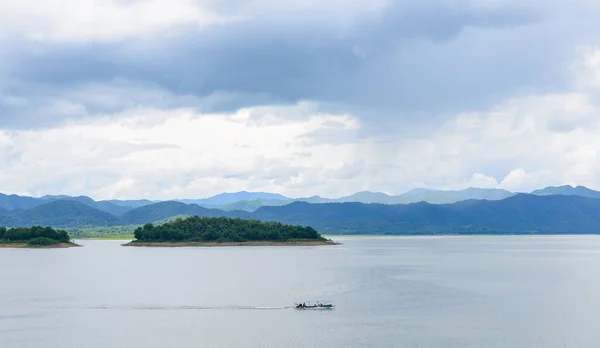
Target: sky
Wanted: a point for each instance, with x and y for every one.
(168, 99)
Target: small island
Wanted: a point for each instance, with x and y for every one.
(204, 231)
(34, 237)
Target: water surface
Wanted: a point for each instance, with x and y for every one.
(390, 292)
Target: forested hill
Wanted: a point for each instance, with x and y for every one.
(521, 213)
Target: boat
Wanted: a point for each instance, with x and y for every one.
(314, 305)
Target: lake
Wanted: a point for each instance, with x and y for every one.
(483, 291)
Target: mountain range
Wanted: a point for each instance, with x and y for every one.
(562, 209)
(250, 201)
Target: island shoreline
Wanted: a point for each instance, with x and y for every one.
(226, 244)
(27, 246)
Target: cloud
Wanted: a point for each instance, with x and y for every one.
(382, 60)
(155, 153)
(301, 150)
(85, 20)
(133, 98)
(587, 68)
(516, 179)
(481, 181)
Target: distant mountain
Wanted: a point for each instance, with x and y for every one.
(567, 190)
(563, 209)
(251, 206)
(315, 199)
(416, 195)
(14, 202)
(110, 208)
(164, 210)
(366, 197)
(227, 198)
(160, 211)
(447, 197)
(358, 197)
(69, 213)
(250, 201)
(520, 214)
(131, 203)
(104, 206)
(56, 197)
(61, 213)
(115, 207)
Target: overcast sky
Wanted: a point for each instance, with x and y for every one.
(170, 99)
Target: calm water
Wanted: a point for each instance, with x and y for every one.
(390, 292)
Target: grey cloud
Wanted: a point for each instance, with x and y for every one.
(409, 60)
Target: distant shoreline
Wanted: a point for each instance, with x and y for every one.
(215, 244)
(27, 246)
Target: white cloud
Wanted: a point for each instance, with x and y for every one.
(516, 179)
(587, 68)
(82, 20)
(539, 140)
(482, 181)
(174, 153)
(110, 20)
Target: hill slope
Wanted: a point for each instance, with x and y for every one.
(163, 210)
(63, 213)
(14, 202)
(104, 206)
(519, 214)
(20, 203)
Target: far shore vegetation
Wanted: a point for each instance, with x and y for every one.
(204, 231)
(104, 232)
(34, 237)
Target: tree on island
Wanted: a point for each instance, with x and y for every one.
(36, 235)
(224, 230)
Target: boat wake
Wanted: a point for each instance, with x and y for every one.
(185, 308)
